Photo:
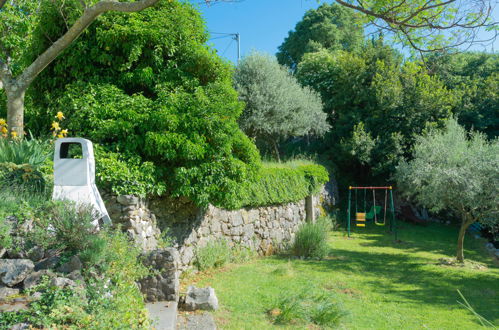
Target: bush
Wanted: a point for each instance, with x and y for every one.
(311, 240)
(63, 225)
(214, 255)
(282, 183)
(218, 253)
(313, 306)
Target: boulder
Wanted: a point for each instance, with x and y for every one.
(127, 200)
(62, 282)
(73, 264)
(50, 262)
(14, 271)
(6, 292)
(200, 298)
(34, 278)
(36, 254)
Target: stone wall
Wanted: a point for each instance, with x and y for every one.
(263, 229)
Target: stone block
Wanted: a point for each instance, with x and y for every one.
(200, 299)
(14, 271)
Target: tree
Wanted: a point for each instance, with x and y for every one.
(451, 171)
(277, 107)
(430, 25)
(156, 99)
(474, 78)
(393, 100)
(14, 25)
(330, 27)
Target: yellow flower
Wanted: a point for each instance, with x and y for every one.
(2, 122)
(4, 130)
(13, 134)
(60, 115)
(55, 126)
(64, 132)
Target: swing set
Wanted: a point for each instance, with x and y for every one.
(362, 216)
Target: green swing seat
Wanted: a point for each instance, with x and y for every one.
(370, 214)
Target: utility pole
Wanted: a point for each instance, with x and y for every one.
(238, 40)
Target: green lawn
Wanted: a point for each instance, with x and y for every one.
(381, 284)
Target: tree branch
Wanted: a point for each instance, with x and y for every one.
(88, 16)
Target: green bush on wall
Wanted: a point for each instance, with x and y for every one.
(279, 185)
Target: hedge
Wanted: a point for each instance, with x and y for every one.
(280, 185)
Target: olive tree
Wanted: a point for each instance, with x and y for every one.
(277, 106)
(457, 171)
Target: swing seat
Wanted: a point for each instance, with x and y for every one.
(375, 209)
(360, 219)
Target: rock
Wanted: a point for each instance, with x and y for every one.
(76, 276)
(127, 200)
(14, 271)
(15, 254)
(490, 246)
(36, 254)
(50, 262)
(6, 292)
(73, 264)
(21, 326)
(62, 282)
(34, 278)
(200, 298)
(2, 252)
(164, 284)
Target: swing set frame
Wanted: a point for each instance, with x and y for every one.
(393, 223)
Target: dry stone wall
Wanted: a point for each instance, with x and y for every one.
(263, 229)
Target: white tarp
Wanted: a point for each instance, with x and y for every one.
(74, 178)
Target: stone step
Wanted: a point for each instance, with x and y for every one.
(163, 315)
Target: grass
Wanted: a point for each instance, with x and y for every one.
(381, 284)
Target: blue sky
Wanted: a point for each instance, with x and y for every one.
(262, 24)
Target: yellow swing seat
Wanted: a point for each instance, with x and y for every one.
(360, 219)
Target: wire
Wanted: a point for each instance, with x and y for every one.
(230, 43)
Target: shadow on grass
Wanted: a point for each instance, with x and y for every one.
(434, 238)
(403, 275)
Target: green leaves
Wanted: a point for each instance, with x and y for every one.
(277, 107)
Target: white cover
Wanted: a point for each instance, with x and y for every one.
(74, 179)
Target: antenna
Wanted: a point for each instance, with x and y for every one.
(235, 36)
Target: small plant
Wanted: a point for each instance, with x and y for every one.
(325, 311)
(214, 255)
(311, 240)
(309, 306)
(287, 309)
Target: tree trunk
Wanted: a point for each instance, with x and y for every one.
(276, 150)
(466, 222)
(15, 111)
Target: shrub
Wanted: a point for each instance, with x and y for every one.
(326, 311)
(64, 225)
(311, 240)
(281, 183)
(287, 308)
(214, 254)
(309, 306)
